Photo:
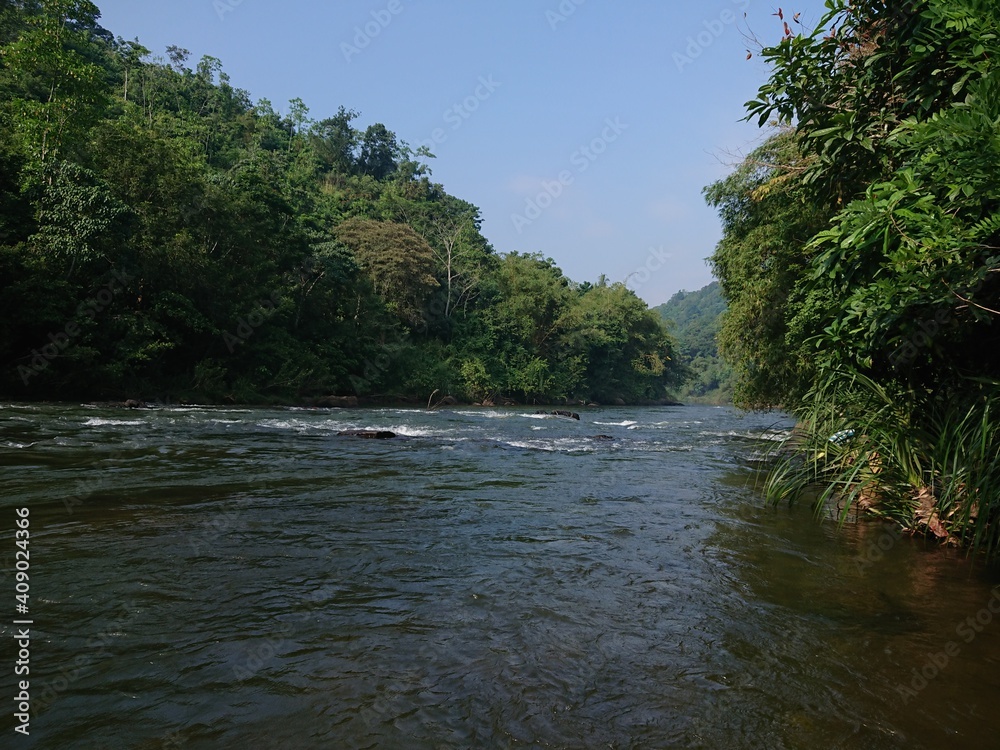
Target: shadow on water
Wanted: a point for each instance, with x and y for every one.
(854, 636)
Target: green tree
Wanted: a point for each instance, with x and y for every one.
(397, 260)
(379, 152)
(768, 217)
(62, 92)
(895, 304)
(695, 321)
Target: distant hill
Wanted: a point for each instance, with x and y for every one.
(694, 319)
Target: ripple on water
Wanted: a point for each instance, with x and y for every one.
(245, 578)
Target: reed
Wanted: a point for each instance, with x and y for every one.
(927, 461)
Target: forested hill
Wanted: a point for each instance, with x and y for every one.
(163, 235)
(694, 320)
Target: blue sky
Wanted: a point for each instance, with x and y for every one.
(585, 130)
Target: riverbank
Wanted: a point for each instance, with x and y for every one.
(353, 402)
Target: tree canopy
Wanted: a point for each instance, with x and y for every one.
(163, 235)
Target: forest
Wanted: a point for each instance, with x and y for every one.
(860, 262)
(694, 319)
(163, 236)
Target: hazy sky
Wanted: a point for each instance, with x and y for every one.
(584, 129)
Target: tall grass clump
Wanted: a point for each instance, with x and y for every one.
(929, 462)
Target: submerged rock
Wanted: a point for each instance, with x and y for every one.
(368, 434)
(560, 413)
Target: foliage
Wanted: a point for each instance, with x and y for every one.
(890, 314)
(396, 260)
(162, 235)
(767, 219)
(695, 320)
(928, 465)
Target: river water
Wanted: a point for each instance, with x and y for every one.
(237, 578)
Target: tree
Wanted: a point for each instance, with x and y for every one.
(397, 260)
(379, 152)
(694, 319)
(62, 92)
(896, 303)
(915, 89)
(628, 352)
(336, 141)
(768, 217)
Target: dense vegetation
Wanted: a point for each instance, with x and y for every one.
(695, 320)
(163, 235)
(861, 257)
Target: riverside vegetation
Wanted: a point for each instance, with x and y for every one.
(163, 235)
(860, 261)
(694, 320)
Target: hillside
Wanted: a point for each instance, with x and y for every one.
(165, 236)
(694, 319)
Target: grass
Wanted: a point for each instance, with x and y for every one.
(929, 462)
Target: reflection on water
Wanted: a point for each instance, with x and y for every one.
(243, 578)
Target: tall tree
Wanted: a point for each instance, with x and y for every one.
(62, 91)
(379, 152)
(397, 260)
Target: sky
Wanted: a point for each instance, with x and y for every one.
(584, 130)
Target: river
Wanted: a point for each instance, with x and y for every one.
(494, 578)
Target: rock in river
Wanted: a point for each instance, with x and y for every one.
(560, 413)
(368, 434)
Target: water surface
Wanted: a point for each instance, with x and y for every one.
(245, 578)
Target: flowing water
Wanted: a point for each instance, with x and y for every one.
(245, 578)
